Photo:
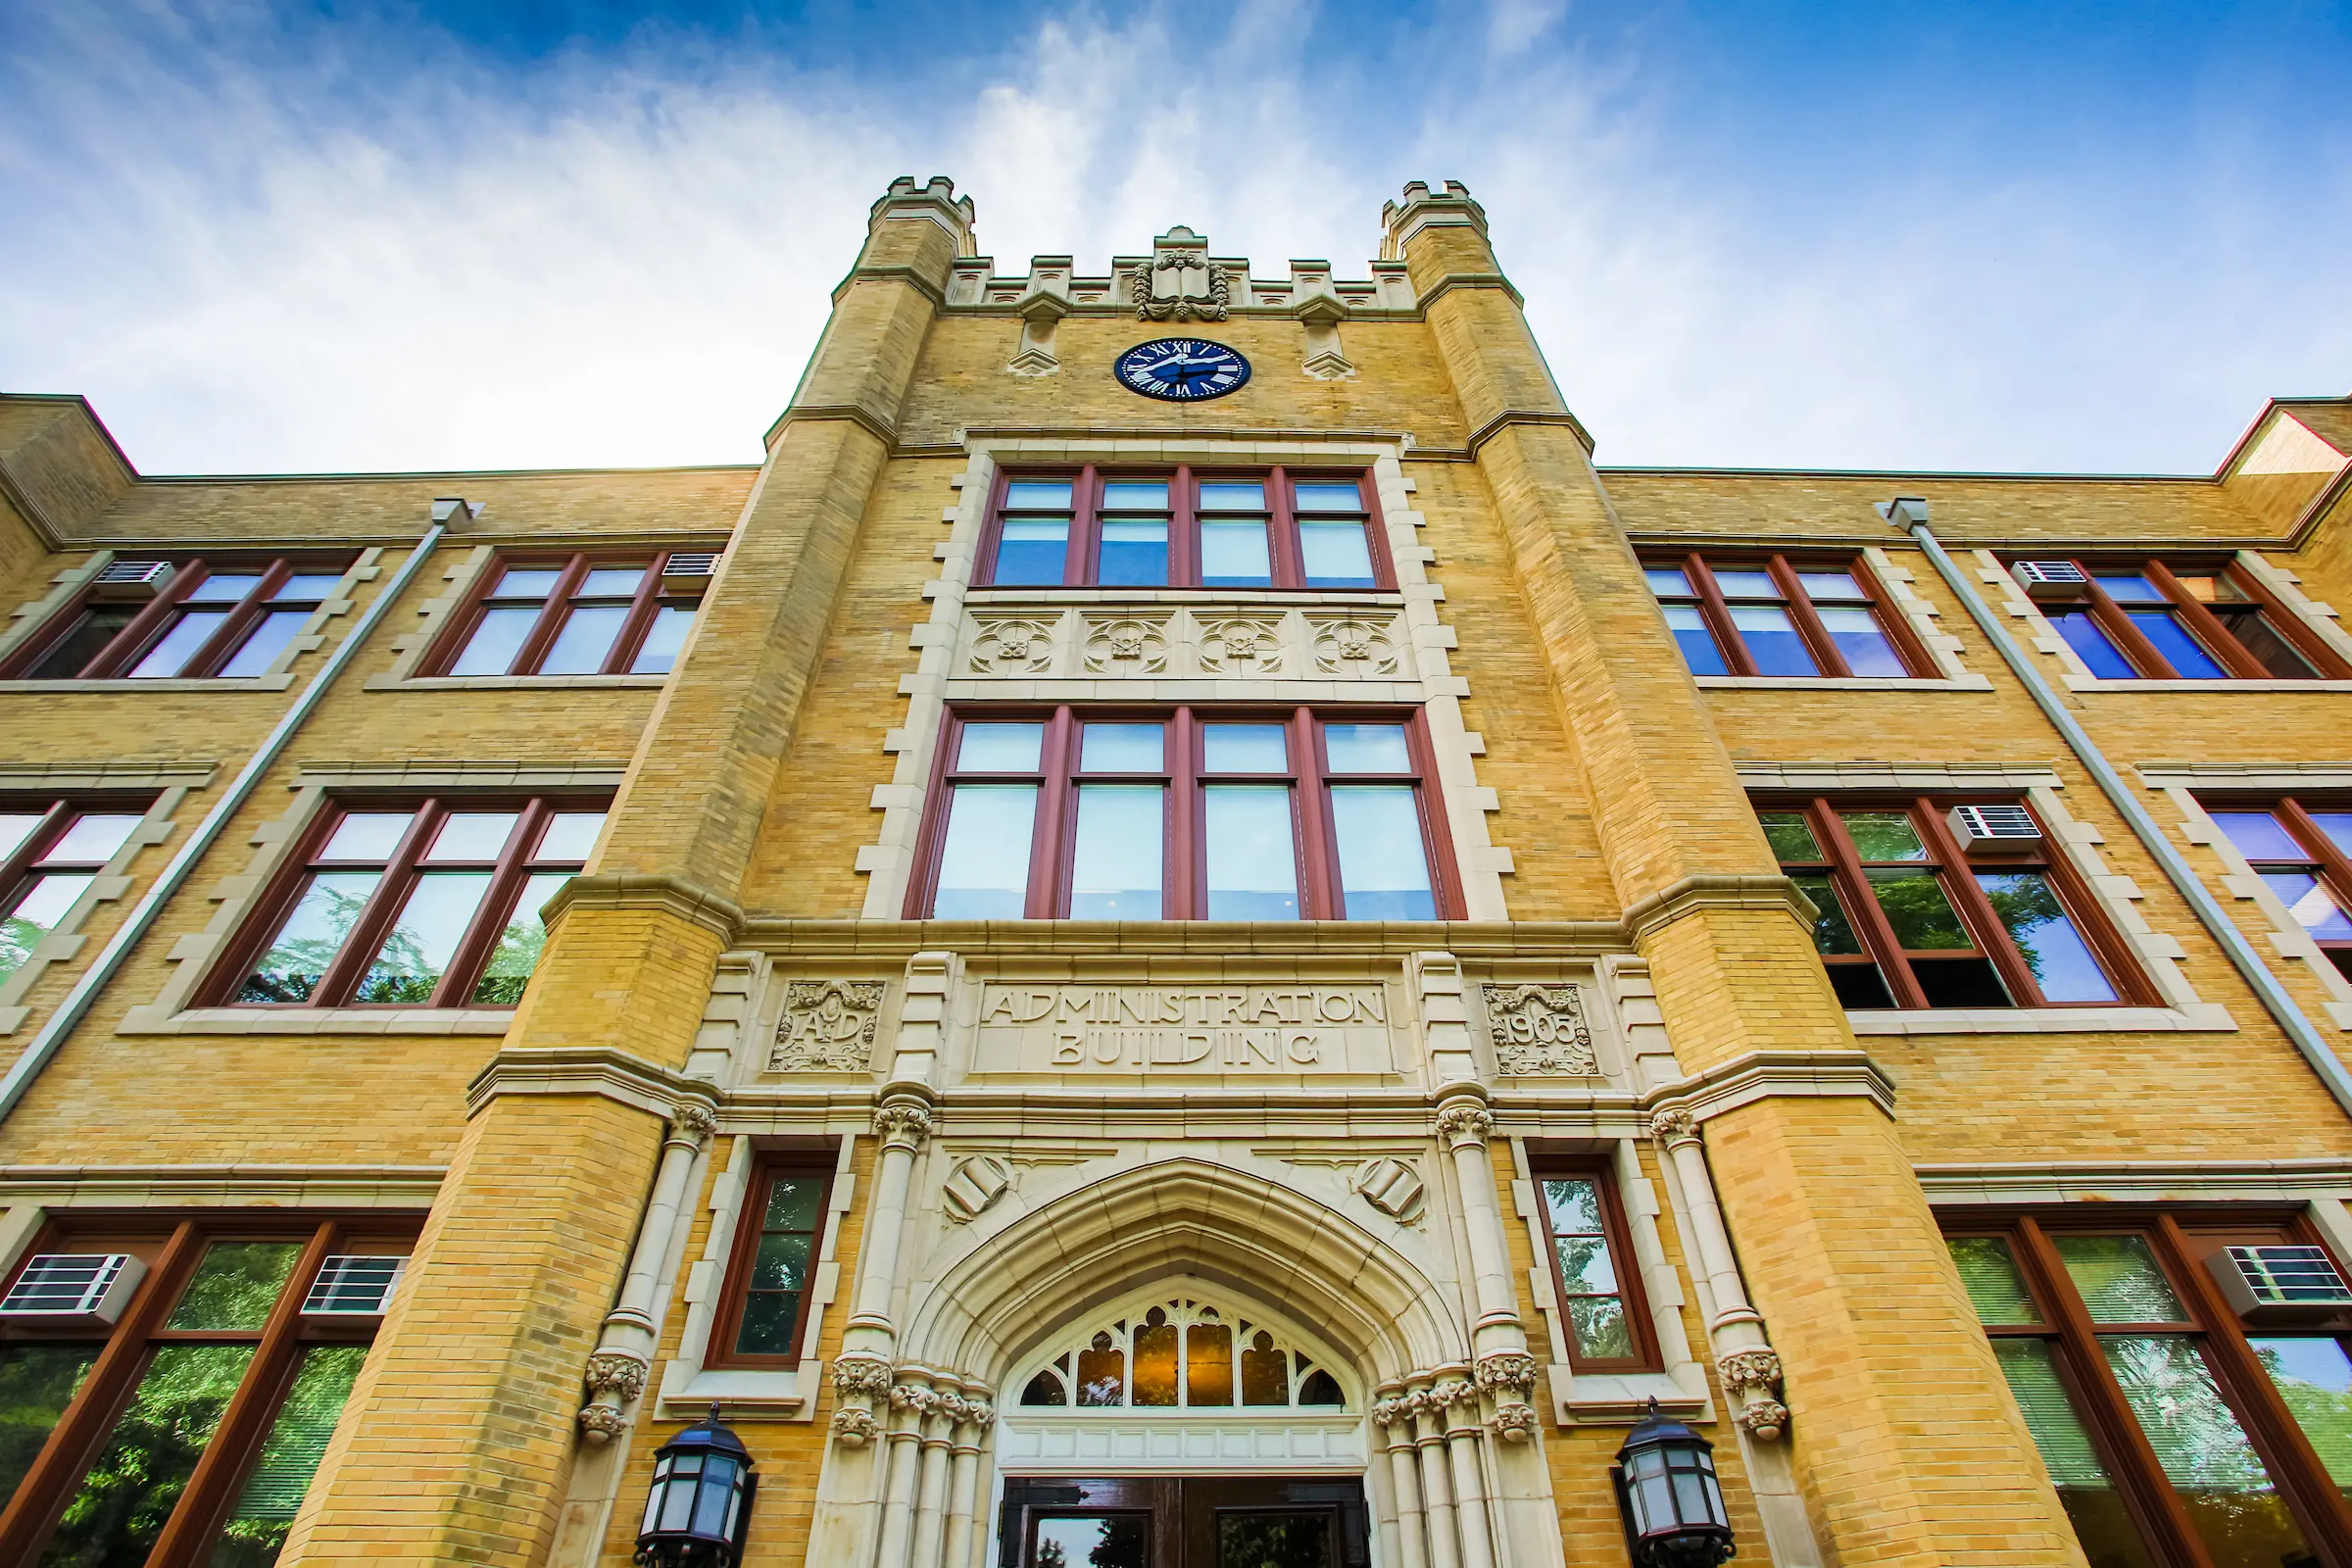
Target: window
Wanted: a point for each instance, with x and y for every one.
(196, 1423)
(1605, 1323)
(1908, 919)
(1181, 1353)
(50, 854)
(2304, 852)
(574, 615)
(1277, 529)
(762, 1320)
(2145, 620)
(1768, 617)
(433, 904)
(1188, 814)
(2173, 1433)
(228, 617)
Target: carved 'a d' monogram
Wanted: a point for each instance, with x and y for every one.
(1540, 1029)
(828, 1026)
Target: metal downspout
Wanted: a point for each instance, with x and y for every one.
(77, 1001)
(1910, 513)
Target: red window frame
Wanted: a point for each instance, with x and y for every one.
(2182, 1237)
(2322, 856)
(1953, 869)
(123, 652)
(1184, 517)
(556, 608)
(2175, 580)
(1706, 596)
(1184, 873)
(172, 1245)
(30, 859)
(735, 1293)
(1549, 1164)
(510, 874)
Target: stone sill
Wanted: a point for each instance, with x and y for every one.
(2040, 1020)
(317, 1021)
(2091, 683)
(204, 683)
(745, 1394)
(1843, 683)
(991, 597)
(513, 683)
(1622, 1398)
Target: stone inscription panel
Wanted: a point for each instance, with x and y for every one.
(1184, 1031)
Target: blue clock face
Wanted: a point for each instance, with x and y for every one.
(1182, 369)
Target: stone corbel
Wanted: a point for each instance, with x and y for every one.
(862, 1385)
(1041, 315)
(1746, 1361)
(617, 1369)
(1321, 314)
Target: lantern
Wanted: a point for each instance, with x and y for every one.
(1668, 1496)
(701, 1504)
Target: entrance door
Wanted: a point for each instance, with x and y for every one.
(1185, 1521)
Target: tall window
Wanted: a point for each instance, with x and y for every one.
(50, 853)
(2147, 620)
(1910, 919)
(224, 616)
(574, 615)
(763, 1308)
(1300, 529)
(1180, 1353)
(1771, 616)
(1607, 1328)
(2304, 852)
(434, 905)
(1194, 813)
(2175, 1433)
(189, 1429)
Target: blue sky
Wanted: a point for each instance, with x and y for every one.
(2074, 237)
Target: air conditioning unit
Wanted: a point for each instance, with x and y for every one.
(131, 579)
(689, 571)
(2050, 580)
(68, 1290)
(1992, 827)
(350, 1285)
(2280, 1284)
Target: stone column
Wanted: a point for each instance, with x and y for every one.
(1395, 1423)
(1745, 1361)
(1437, 1480)
(931, 1486)
(624, 1355)
(1457, 1398)
(862, 1372)
(963, 1475)
(1464, 1125)
(1816, 1188)
(910, 1407)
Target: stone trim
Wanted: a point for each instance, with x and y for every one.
(1557, 417)
(687, 1386)
(598, 1070)
(888, 861)
(461, 570)
(1173, 945)
(1839, 683)
(2135, 1181)
(1924, 617)
(1645, 918)
(671, 895)
(112, 885)
(2239, 879)
(513, 683)
(66, 778)
(1768, 1074)
(319, 1021)
(2093, 1021)
(220, 1186)
(427, 774)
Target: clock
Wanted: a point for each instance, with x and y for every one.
(1182, 369)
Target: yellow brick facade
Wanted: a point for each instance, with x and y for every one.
(575, 1168)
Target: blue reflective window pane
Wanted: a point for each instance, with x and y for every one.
(1038, 495)
(1384, 868)
(1252, 862)
(306, 587)
(610, 582)
(1118, 856)
(527, 582)
(2259, 836)
(999, 747)
(262, 646)
(1134, 553)
(1772, 640)
(1121, 749)
(2083, 634)
(1668, 581)
(2307, 899)
(1832, 587)
(1698, 644)
(984, 866)
(1746, 584)
(1322, 495)
(1244, 748)
(2129, 588)
(1124, 495)
(1032, 550)
(1860, 643)
(1335, 554)
(2045, 934)
(1366, 748)
(2187, 656)
(170, 655)
(586, 640)
(1234, 555)
(2337, 825)
(497, 638)
(1229, 495)
(659, 653)
(225, 588)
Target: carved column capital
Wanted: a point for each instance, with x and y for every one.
(867, 1376)
(1742, 1370)
(1675, 1125)
(1515, 1422)
(1464, 1121)
(614, 1378)
(856, 1425)
(1507, 1373)
(903, 1124)
(692, 1123)
(1765, 1420)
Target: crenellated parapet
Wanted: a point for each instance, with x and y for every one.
(1222, 282)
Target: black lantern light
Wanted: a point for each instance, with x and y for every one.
(701, 1504)
(1668, 1493)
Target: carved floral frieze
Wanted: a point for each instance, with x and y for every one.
(1540, 1030)
(1126, 645)
(1270, 643)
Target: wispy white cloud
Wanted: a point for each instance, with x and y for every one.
(369, 246)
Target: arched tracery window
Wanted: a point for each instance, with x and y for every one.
(1182, 1353)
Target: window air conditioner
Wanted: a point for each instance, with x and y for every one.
(1992, 827)
(73, 1289)
(2280, 1284)
(689, 571)
(353, 1286)
(131, 579)
(2050, 580)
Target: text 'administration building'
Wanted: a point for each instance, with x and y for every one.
(1176, 937)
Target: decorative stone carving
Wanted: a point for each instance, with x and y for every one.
(1013, 645)
(1465, 1121)
(694, 1121)
(1507, 1372)
(1391, 1186)
(1241, 646)
(972, 1184)
(1354, 646)
(828, 1026)
(1742, 1370)
(867, 1376)
(1515, 1422)
(1180, 283)
(602, 1423)
(1673, 1125)
(1126, 645)
(1765, 1420)
(855, 1426)
(1540, 1029)
(904, 1121)
(978, 1414)
(1041, 312)
(614, 1378)
(913, 1397)
(1387, 1412)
